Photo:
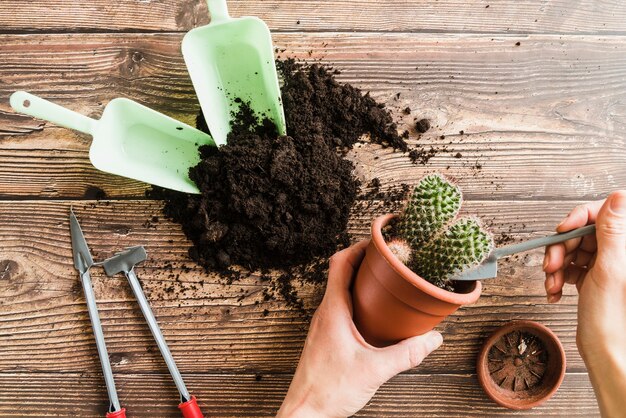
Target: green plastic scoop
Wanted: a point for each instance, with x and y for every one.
(230, 59)
(129, 140)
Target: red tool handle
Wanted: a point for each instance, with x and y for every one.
(190, 409)
(117, 414)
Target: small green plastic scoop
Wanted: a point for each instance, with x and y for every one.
(230, 59)
(129, 140)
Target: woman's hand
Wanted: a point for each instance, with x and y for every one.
(339, 372)
(597, 266)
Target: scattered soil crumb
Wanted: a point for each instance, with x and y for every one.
(95, 193)
(422, 125)
(422, 155)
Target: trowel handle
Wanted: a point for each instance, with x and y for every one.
(190, 409)
(103, 354)
(544, 241)
(218, 10)
(32, 105)
(117, 414)
(157, 334)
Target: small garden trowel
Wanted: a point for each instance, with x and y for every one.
(129, 140)
(232, 60)
(488, 269)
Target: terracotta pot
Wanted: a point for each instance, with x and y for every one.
(521, 365)
(392, 303)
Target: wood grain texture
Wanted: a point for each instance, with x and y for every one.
(452, 16)
(250, 395)
(210, 325)
(102, 15)
(548, 109)
(543, 119)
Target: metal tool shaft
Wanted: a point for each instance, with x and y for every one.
(100, 343)
(158, 336)
(543, 241)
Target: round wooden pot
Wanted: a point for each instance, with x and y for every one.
(392, 303)
(521, 365)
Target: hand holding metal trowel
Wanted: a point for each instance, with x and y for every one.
(488, 269)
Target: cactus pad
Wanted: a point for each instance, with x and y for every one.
(461, 245)
(433, 203)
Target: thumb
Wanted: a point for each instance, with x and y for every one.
(409, 353)
(611, 227)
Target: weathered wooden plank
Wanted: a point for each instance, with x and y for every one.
(209, 324)
(520, 166)
(150, 395)
(555, 128)
(102, 16)
(482, 16)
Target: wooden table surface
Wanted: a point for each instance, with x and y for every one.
(546, 119)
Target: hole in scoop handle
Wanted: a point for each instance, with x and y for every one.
(218, 10)
(35, 106)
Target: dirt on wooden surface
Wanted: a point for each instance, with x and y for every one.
(275, 202)
(283, 202)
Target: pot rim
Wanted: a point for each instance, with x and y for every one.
(410, 276)
(547, 335)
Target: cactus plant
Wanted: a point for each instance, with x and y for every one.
(432, 204)
(429, 240)
(461, 245)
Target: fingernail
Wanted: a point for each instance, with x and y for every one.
(618, 203)
(434, 340)
(549, 283)
(546, 261)
(564, 220)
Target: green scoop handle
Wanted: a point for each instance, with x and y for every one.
(29, 104)
(218, 10)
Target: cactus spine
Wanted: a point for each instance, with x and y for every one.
(439, 245)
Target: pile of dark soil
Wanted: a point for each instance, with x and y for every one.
(276, 202)
(316, 104)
